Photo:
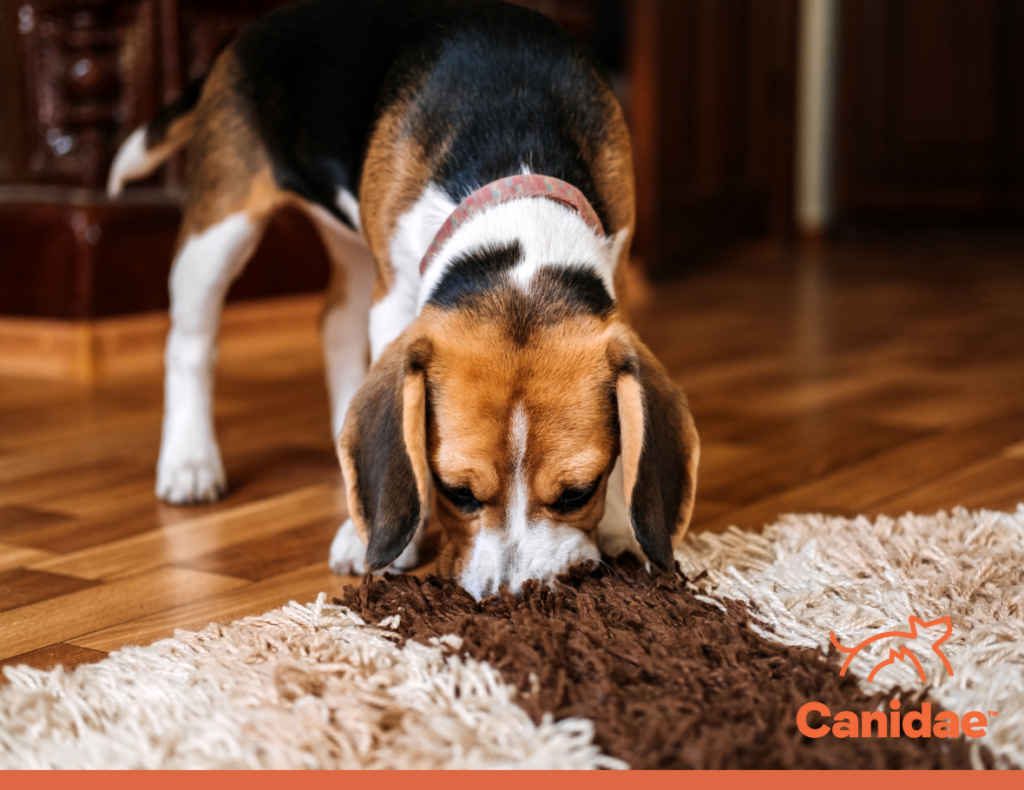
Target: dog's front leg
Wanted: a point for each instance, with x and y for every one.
(348, 554)
(388, 319)
(190, 470)
(614, 532)
(345, 320)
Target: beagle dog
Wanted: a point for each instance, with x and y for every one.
(469, 171)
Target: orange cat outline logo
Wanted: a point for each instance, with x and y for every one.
(904, 652)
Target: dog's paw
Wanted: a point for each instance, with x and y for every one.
(193, 482)
(348, 554)
(408, 559)
(616, 542)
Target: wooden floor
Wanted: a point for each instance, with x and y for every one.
(867, 377)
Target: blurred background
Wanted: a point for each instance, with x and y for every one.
(752, 119)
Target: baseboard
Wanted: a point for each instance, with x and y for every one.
(87, 351)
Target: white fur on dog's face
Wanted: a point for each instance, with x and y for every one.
(516, 430)
(522, 546)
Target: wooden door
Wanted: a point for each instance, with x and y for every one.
(711, 110)
(931, 110)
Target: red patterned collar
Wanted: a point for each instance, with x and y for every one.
(512, 188)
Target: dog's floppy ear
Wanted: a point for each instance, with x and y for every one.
(660, 450)
(383, 452)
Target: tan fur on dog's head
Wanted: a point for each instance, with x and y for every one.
(516, 406)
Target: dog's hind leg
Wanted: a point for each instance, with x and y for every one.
(230, 196)
(190, 470)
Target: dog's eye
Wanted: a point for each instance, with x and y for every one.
(572, 499)
(462, 498)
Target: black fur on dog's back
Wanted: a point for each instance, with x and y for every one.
(497, 87)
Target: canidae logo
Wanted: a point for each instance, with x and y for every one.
(945, 724)
(904, 652)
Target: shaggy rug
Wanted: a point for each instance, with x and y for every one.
(704, 668)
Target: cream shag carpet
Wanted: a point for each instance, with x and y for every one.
(811, 575)
(299, 687)
(314, 686)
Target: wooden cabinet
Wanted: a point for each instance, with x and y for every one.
(711, 107)
(76, 77)
(931, 118)
(79, 75)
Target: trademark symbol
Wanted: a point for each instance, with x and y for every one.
(993, 713)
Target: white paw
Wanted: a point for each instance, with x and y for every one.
(618, 542)
(191, 482)
(408, 559)
(614, 533)
(348, 554)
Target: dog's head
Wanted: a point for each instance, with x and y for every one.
(513, 404)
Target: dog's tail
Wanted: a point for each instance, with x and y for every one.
(151, 145)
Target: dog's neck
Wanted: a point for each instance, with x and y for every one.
(546, 233)
(504, 190)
